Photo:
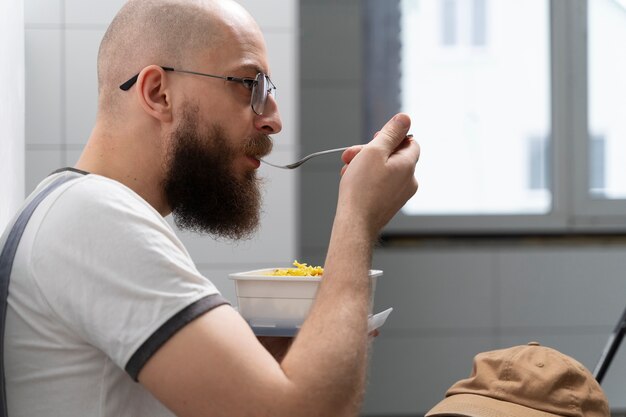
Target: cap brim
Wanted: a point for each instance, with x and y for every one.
(471, 405)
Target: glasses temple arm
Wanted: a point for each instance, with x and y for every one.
(126, 86)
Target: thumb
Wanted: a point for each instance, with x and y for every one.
(393, 133)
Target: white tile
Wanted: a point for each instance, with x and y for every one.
(42, 12)
(340, 109)
(71, 156)
(81, 83)
(330, 2)
(318, 203)
(437, 289)
(39, 164)
(44, 110)
(91, 12)
(331, 42)
(219, 277)
(276, 240)
(283, 56)
(273, 14)
(409, 375)
(269, 14)
(312, 257)
(566, 286)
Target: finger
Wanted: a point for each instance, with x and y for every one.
(406, 142)
(409, 148)
(393, 133)
(348, 155)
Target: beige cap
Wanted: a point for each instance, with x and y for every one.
(525, 381)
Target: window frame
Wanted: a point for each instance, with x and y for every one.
(574, 210)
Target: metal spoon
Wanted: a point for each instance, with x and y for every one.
(306, 158)
(313, 155)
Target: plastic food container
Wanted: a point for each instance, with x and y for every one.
(278, 305)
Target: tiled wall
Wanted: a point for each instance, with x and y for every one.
(62, 39)
(11, 109)
(454, 300)
(451, 298)
(331, 115)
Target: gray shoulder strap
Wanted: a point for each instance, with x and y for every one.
(6, 264)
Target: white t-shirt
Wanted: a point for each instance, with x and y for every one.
(100, 281)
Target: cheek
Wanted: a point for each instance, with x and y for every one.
(234, 141)
(227, 104)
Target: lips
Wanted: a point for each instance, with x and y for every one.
(258, 147)
(255, 161)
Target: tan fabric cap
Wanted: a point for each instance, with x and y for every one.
(525, 381)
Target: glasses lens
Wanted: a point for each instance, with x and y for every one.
(259, 94)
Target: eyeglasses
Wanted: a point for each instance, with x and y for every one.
(261, 86)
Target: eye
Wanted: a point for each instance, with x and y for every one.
(248, 83)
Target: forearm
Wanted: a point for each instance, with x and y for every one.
(328, 359)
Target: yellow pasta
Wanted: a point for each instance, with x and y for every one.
(300, 270)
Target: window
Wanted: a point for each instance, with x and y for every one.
(538, 163)
(597, 166)
(448, 22)
(476, 107)
(462, 22)
(520, 109)
(607, 99)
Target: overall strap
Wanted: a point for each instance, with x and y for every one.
(6, 264)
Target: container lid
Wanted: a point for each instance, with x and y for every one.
(374, 321)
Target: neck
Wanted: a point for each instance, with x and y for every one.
(130, 157)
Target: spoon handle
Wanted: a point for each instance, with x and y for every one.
(306, 158)
(313, 155)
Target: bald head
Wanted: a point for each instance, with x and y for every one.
(163, 32)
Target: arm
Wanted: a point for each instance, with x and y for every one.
(215, 366)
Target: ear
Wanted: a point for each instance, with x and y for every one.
(153, 93)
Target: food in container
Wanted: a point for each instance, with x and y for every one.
(300, 270)
(277, 305)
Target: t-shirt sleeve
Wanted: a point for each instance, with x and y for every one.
(115, 272)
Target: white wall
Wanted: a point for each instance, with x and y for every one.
(62, 39)
(11, 108)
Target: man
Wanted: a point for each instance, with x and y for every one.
(103, 294)
(525, 381)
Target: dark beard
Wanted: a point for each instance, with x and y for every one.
(203, 192)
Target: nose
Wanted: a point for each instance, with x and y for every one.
(269, 122)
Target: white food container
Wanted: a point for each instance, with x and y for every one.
(278, 305)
